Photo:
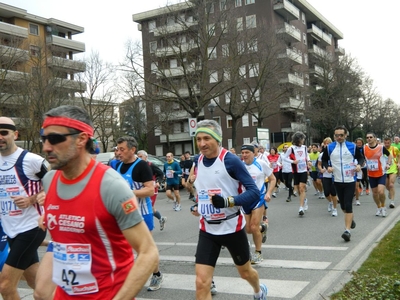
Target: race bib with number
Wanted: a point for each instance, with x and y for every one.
(8, 207)
(170, 174)
(72, 268)
(209, 211)
(302, 166)
(372, 164)
(349, 170)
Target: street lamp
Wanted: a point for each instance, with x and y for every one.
(308, 122)
(211, 109)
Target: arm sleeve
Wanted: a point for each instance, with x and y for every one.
(157, 172)
(238, 171)
(360, 156)
(325, 158)
(386, 151)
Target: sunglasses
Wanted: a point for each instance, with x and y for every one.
(339, 135)
(56, 138)
(369, 137)
(4, 132)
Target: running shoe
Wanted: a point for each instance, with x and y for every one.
(301, 211)
(321, 195)
(162, 223)
(155, 282)
(178, 207)
(274, 194)
(213, 288)
(288, 199)
(367, 191)
(334, 212)
(256, 258)
(346, 236)
(383, 210)
(174, 205)
(378, 212)
(295, 194)
(391, 205)
(264, 291)
(358, 202)
(330, 206)
(305, 204)
(353, 224)
(264, 232)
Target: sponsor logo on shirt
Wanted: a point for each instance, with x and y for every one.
(129, 206)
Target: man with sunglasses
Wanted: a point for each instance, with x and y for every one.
(378, 160)
(339, 158)
(20, 182)
(93, 217)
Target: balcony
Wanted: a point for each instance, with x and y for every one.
(169, 29)
(183, 93)
(70, 45)
(293, 79)
(293, 127)
(175, 50)
(70, 85)
(11, 54)
(176, 137)
(340, 51)
(317, 70)
(178, 71)
(13, 30)
(292, 104)
(10, 76)
(290, 32)
(293, 54)
(319, 35)
(287, 10)
(319, 52)
(68, 65)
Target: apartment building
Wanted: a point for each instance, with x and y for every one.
(259, 55)
(37, 68)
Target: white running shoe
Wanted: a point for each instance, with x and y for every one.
(301, 211)
(321, 195)
(174, 205)
(358, 202)
(383, 210)
(334, 212)
(178, 207)
(392, 204)
(305, 204)
(378, 212)
(330, 206)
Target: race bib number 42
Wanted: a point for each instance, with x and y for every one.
(72, 268)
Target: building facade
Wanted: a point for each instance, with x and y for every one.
(38, 70)
(246, 62)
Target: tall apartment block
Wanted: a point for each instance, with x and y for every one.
(37, 65)
(303, 38)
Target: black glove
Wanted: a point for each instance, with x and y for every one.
(220, 202)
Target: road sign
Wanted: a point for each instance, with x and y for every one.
(192, 126)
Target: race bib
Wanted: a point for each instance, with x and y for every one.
(372, 164)
(349, 170)
(170, 174)
(8, 207)
(209, 211)
(72, 265)
(302, 166)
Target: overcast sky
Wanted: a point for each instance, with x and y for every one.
(369, 29)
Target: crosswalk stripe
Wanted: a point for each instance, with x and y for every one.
(271, 263)
(283, 289)
(290, 247)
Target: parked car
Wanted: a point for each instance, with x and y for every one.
(105, 157)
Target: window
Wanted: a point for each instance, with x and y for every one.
(225, 50)
(211, 29)
(252, 46)
(229, 143)
(157, 131)
(240, 47)
(224, 26)
(239, 24)
(245, 120)
(177, 128)
(242, 71)
(238, 3)
(212, 53)
(304, 38)
(255, 94)
(254, 120)
(228, 97)
(246, 141)
(222, 4)
(170, 21)
(213, 76)
(227, 74)
(173, 63)
(254, 70)
(215, 101)
(33, 29)
(157, 108)
(306, 58)
(35, 50)
(209, 8)
(182, 39)
(153, 67)
(228, 121)
(251, 21)
(152, 26)
(250, 1)
(153, 47)
(243, 96)
(303, 18)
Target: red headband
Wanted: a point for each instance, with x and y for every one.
(68, 122)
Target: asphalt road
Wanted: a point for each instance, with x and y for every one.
(304, 257)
